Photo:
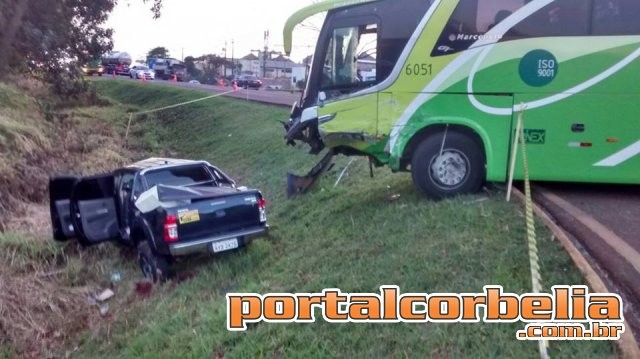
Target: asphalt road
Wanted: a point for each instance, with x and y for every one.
(274, 97)
(603, 220)
(615, 206)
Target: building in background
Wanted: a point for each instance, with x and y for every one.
(273, 66)
(250, 64)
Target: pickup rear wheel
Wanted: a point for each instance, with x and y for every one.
(153, 266)
(446, 165)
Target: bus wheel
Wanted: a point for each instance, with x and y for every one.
(455, 167)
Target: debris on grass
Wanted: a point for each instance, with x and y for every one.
(343, 172)
(116, 277)
(104, 309)
(475, 201)
(393, 197)
(105, 295)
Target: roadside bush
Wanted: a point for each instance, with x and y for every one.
(67, 82)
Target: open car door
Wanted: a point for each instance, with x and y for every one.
(60, 190)
(93, 210)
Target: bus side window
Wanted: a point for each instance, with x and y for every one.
(616, 17)
(559, 18)
(470, 21)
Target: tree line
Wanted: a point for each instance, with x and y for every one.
(50, 39)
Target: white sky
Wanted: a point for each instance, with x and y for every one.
(202, 27)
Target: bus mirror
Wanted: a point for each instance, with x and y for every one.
(322, 97)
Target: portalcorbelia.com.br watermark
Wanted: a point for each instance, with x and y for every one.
(566, 313)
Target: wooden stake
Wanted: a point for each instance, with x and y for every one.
(514, 152)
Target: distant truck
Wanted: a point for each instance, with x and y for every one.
(164, 207)
(166, 69)
(117, 62)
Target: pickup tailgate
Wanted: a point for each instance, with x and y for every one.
(215, 211)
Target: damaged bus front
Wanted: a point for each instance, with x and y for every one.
(436, 87)
(355, 58)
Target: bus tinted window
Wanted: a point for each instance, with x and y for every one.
(398, 24)
(616, 17)
(470, 21)
(560, 18)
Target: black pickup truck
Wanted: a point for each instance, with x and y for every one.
(164, 207)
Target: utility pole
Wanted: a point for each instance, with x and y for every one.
(233, 58)
(224, 64)
(266, 53)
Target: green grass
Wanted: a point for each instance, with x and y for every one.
(349, 237)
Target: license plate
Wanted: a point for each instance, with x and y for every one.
(225, 245)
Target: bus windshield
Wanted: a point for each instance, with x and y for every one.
(351, 51)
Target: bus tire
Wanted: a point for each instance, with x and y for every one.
(459, 169)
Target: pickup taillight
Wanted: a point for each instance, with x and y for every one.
(170, 228)
(262, 206)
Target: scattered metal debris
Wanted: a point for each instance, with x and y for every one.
(343, 172)
(105, 295)
(479, 200)
(104, 309)
(116, 277)
(393, 197)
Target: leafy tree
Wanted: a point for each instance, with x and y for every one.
(50, 39)
(212, 67)
(155, 8)
(190, 64)
(46, 38)
(160, 52)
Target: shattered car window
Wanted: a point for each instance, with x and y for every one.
(179, 176)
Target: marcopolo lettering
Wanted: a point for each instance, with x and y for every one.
(476, 37)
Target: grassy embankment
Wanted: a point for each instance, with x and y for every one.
(43, 284)
(349, 237)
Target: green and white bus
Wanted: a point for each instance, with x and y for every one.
(450, 77)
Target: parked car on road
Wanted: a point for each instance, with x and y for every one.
(164, 207)
(138, 71)
(194, 82)
(249, 81)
